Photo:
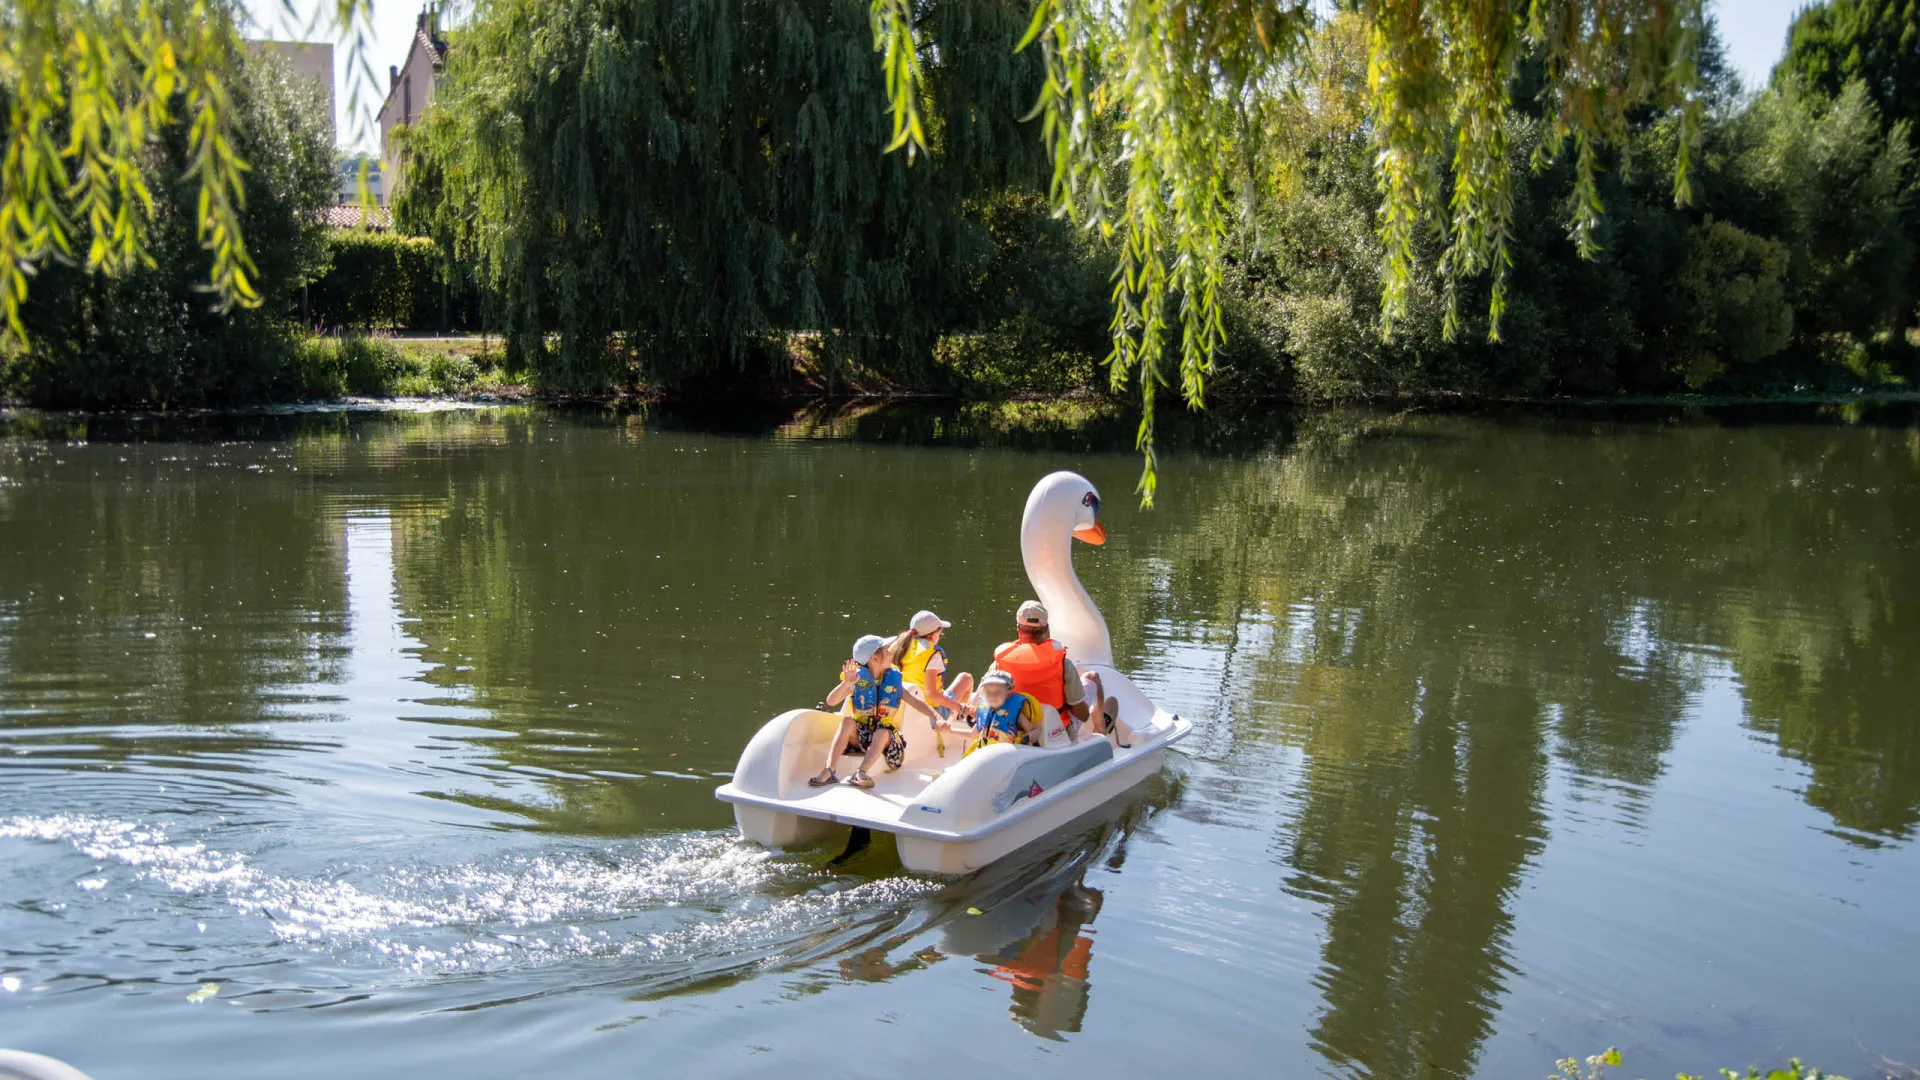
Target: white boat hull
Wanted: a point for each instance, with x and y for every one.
(930, 856)
(949, 814)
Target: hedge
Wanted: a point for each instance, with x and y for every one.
(378, 280)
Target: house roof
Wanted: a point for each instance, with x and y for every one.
(348, 216)
(431, 41)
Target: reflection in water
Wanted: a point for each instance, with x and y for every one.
(1048, 968)
(422, 713)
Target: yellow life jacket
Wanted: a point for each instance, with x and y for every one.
(913, 664)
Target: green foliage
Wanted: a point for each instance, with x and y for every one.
(154, 333)
(660, 187)
(1029, 318)
(84, 86)
(377, 280)
(1595, 1066)
(1187, 89)
(368, 366)
(1312, 263)
(1018, 358)
(1831, 188)
(1792, 267)
(1873, 42)
(1734, 285)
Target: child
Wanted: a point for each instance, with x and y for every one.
(1000, 715)
(923, 664)
(870, 724)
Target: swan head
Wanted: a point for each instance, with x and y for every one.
(1087, 526)
(1066, 502)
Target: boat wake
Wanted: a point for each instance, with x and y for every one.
(180, 910)
(675, 909)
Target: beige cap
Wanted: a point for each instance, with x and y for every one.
(1032, 613)
(926, 622)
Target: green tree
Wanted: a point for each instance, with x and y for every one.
(1187, 88)
(1311, 263)
(662, 183)
(1179, 90)
(153, 333)
(86, 86)
(1735, 287)
(1831, 187)
(1874, 42)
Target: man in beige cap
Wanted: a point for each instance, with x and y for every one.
(1039, 665)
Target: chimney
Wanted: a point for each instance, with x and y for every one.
(393, 76)
(421, 22)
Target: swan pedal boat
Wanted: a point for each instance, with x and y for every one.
(951, 813)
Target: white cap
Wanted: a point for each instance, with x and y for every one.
(1032, 613)
(926, 622)
(868, 644)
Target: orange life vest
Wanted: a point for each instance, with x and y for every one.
(1038, 669)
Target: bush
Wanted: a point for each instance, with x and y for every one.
(1019, 357)
(377, 281)
(1735, 285)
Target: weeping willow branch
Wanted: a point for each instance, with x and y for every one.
(1182, 93)
(85, 85)
(892, 22)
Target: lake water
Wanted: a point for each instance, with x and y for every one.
(381, 744)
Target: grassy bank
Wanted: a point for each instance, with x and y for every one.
(358, 365)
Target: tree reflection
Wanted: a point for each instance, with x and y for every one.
(1440, 607)
(148, 585)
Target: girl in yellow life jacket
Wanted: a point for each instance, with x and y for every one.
(923, 664)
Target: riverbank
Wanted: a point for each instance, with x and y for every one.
(409, 368)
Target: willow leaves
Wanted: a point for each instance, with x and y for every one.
(1173, 103)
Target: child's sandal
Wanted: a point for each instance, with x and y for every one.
(826, 778)
(860, 780)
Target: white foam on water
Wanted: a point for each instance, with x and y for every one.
(666, 898)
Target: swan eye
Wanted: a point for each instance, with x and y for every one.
(1090, 499)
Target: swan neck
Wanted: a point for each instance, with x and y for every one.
(1046, 546)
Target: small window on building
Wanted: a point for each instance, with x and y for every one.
(406, 100)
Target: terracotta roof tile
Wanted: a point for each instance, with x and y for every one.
(347, 216)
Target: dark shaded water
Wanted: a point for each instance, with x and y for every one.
(364, 743)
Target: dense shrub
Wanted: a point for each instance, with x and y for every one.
(1734, 285)
(377, 280)
(155, 334)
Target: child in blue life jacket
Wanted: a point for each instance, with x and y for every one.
(1000, 715)
(871, 690)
